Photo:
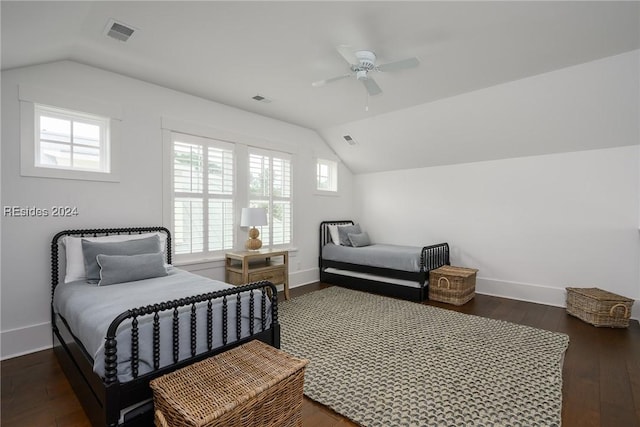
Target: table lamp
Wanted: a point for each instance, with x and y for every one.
(252, 217)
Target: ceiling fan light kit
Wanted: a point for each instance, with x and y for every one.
(365, 62)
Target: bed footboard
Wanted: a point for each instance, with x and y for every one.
(137, 314)
(107, 400)
(434, 256)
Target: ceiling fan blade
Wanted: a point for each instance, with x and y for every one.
(347, 53)
(399, 65)
(371, 85)
(332, 79)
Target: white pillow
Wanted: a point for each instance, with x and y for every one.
(333, 232)
(75, 260)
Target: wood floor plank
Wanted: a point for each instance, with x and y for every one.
(601, 374)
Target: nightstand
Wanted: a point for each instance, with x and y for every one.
(244, 267)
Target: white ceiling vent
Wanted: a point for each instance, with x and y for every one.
(349, 140)
(118, 30)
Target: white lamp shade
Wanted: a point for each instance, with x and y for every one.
(252, 217)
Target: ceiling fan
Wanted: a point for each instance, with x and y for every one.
(361, 63)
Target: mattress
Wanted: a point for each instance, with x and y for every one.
(89, 310)
(405, 258)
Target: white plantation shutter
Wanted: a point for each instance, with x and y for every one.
(270, 188)
(203, 185)
(188, 225)
(220, 173)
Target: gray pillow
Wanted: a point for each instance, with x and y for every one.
(344, 230)
(359, 240)
(128, 268)
(90, 250)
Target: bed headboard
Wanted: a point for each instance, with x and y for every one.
(97, 232)
(325, 237)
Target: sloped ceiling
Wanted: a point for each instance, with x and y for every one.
(231, 51)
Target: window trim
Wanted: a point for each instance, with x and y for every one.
(30, 97)
(333, 176)
(242, 143)
(64, 114)
(206, 142)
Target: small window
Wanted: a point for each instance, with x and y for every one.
(327, 175)
(70, 140)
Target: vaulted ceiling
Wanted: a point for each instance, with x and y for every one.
(230, 51)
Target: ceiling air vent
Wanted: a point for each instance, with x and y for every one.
(349, 140)
(261, 98)
(118, 30)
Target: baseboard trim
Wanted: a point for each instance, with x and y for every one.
(21, 341)
(33, 338)
(304, 277)
(521, 291)
(530, 292)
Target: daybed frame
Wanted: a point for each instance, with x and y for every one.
(431, 257)
(104, 397)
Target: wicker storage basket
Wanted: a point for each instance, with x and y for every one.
(453, 285)
(251, 385)
(599, 307)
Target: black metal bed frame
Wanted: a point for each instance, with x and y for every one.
(431, 257)
(103, 398)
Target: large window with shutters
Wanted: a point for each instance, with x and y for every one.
(203, 192)
(270, 188)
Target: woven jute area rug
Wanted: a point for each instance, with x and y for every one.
(387, 362)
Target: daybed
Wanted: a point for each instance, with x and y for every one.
(112, 340)
(398, 271)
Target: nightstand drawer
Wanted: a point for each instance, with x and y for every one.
(275, 276)
(246, 267)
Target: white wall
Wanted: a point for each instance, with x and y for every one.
(138, 198)
(531, 225)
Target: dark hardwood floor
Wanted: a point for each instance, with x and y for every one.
(601, 378)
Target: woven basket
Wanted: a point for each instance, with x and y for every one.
(599, 307)
(251, 385)
(453, 285)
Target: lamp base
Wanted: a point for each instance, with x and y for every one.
(253, 243)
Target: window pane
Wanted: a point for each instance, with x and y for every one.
(220, 224)
(86, 157)
(270, 188)
(205, 168)
(259, 175)
(220, 171)
(281, 223)
(281, 178)
(327, 175)
(55, 154)
(188, 168)
(71, 140)
(188, 225)
(55, 129)
(86, 134)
